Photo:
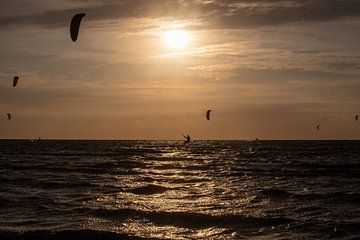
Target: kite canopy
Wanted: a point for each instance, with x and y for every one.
(15, 81)
(208, 114)
(75, 25)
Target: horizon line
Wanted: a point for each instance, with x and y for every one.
(178, 140)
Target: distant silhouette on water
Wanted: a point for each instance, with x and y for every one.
(75, 25)
(356, 117)
(15, 81)
(8, 116)
(187, 139)
(318, 127)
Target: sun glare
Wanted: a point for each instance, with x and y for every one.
(176, 38)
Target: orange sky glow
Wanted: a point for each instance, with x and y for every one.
(149, 69)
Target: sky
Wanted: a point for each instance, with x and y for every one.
(268, 69)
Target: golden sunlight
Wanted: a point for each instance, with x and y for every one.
(176, 38)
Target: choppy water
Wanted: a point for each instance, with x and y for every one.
(168, 190)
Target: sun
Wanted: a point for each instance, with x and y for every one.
(176, 38)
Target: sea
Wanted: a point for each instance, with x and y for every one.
(54, 189)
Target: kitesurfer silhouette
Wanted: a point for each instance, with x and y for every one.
(187, 139)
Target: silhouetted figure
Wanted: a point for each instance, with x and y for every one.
(9, 116)
(15, 81)
(187, 139)
(357, 118)
(318, 127)
(208, 114)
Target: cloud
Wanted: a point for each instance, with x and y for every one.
(214, 14)
(262, 13)
(105, 11)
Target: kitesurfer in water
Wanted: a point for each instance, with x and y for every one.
(187, 139)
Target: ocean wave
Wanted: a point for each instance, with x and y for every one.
(148, 189)
(53, 183)
(324, 229)
(190, 220)
(343, 197)
(68, 168)
(66, 235)
(276, 194)
(311, 209)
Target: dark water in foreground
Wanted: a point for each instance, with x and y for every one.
(167, 190)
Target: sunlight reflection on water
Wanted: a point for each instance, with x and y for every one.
(206, 190)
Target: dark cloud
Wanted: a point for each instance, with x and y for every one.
(106, 11)
(280, 12)
(217, 13)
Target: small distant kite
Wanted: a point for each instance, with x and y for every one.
(318, 127)
(15, 81)
(8, 116)
(208, 114)
(357, 118)
(75, 25)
